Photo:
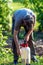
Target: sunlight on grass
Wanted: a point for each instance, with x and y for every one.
(15, 6)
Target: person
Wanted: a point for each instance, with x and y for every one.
(23, 17)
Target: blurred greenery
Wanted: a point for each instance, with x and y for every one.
(7, 8)
(6, 58)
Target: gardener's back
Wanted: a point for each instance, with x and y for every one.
(21, 13)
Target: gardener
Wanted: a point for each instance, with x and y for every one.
(26, 18)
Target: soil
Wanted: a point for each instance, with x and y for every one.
(39, 47)
(38, 44)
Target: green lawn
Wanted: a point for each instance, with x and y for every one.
(6, 58)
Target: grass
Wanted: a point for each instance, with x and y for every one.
(6, 58)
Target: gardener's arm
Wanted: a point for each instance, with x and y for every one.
(16, 30)
(16, 41)
(31, 29)
(29, 33)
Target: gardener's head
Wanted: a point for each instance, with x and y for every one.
(29, 21)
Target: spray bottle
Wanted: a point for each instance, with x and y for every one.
(25, 53)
